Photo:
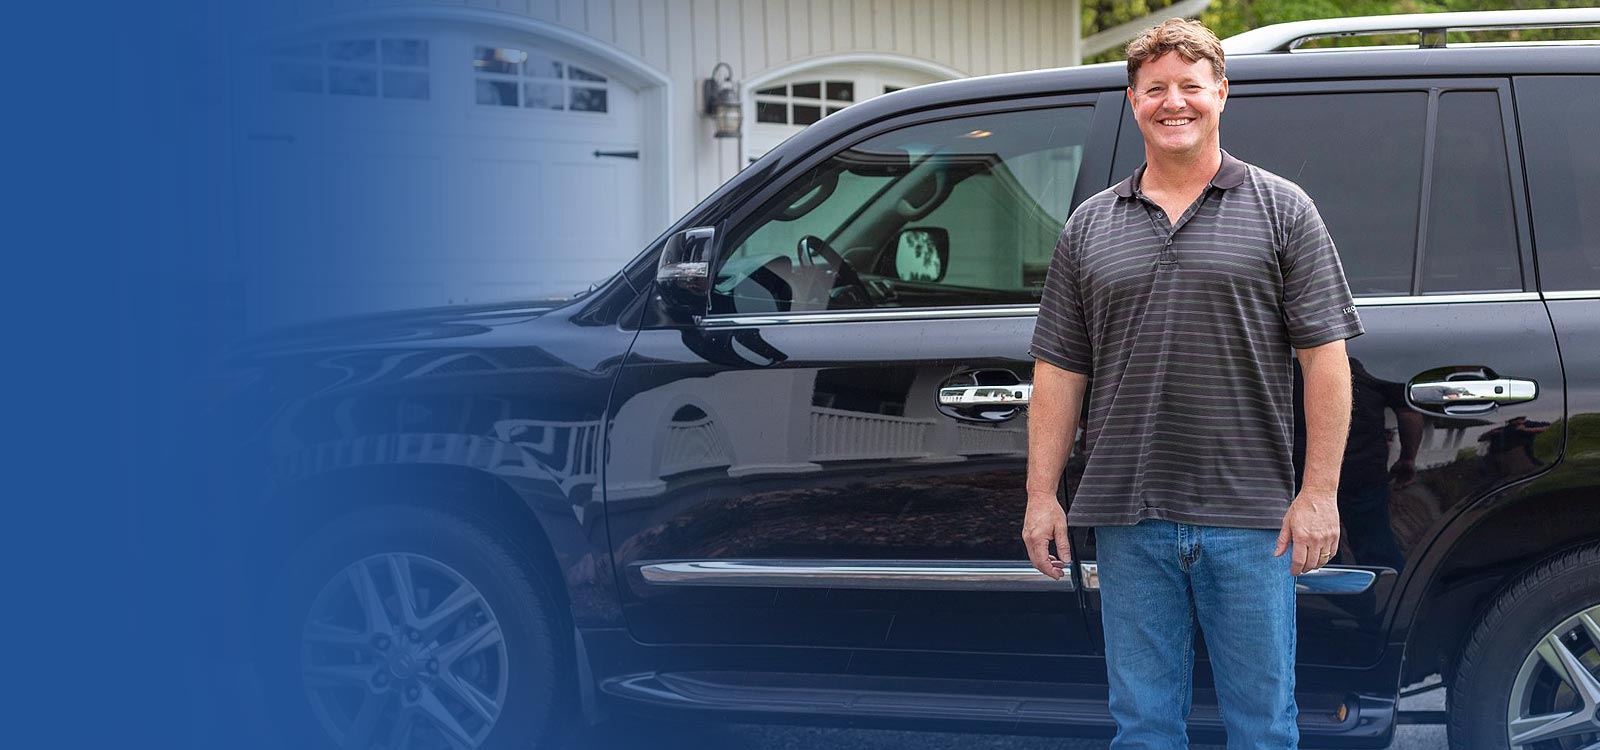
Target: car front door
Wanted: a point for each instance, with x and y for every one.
(835, 455)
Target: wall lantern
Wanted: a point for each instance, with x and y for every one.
(722, 101)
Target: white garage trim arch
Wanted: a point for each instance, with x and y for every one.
(655, 88)
(876, 58)
(824, 65)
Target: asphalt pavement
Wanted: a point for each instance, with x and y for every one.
(635, 734)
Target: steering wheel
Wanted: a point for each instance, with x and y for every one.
(848, 288)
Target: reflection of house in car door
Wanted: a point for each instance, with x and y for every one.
(431, 153)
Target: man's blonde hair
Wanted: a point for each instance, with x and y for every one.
(1190, 39)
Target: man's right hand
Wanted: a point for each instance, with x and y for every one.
(1046, 522)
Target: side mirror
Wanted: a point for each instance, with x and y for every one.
(922, 254)
(684, 272)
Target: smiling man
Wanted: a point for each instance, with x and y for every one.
(1183, 295)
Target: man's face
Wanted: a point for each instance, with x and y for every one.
(1178, 105)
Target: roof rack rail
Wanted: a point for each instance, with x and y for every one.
(1285, 37)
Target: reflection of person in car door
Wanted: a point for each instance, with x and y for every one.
(1366, 474)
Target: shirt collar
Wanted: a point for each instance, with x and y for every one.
(1230, 175)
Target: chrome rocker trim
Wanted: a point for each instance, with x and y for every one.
(926, 575)
(932, 575)
(1329, 581)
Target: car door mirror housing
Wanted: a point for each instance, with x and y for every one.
(921, 254)
(683, 275)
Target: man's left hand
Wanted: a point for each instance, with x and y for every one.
(1311, 530)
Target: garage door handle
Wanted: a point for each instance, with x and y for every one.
(619, 154)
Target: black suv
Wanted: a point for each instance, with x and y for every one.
(773, 469)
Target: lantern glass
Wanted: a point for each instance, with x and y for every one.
(728, 118)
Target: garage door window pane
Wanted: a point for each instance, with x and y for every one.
(772, 112)
(542, 66)
(963, 211)
(544, 96)
(497, 60)
(360, 50)
(1359, 156)
(353, 81)
(1472, 237)
(805, 114)
(501, 93)
(579, 74)
(412, 52)
(1558, 117)
(588, 100)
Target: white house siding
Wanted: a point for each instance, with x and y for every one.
(684, 39)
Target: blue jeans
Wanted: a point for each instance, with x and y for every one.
(1158, 580)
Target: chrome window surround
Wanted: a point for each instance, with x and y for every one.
(932, 575)
(1027, 311)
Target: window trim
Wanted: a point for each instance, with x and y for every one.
(1521, 221)
(747, 320)
(1433, 88)
(1524, 192)
(1100, 149)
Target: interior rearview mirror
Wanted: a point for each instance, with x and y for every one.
(922, 254)
(684, 272)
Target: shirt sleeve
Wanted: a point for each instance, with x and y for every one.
(1060, 335)
(1317, 305)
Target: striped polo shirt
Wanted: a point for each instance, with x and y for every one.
(1187, 333)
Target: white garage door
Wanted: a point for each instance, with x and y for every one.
(398, 168)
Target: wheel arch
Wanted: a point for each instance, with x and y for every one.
(1498, 542)
(297, 511)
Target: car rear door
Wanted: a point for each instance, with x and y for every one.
(1458, 370)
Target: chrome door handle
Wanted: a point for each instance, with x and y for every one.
(986, 395)
(1499, 391)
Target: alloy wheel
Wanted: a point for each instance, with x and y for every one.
(399, 650)
(1555, 700)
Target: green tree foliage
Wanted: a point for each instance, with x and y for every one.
(1229, 17)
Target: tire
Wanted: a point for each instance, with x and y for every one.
(1502, 670)
(479, 656)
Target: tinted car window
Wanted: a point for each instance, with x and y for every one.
(963, 211)
(1472, 236)
(1359, 156)
(1558, 117)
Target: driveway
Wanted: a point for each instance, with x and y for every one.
(631, 735)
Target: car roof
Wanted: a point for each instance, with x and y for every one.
(1330, 64)
(1337, 63)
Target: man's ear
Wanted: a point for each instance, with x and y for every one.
(1222, 95)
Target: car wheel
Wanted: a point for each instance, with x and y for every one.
(404, 627)
(1527, 679)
